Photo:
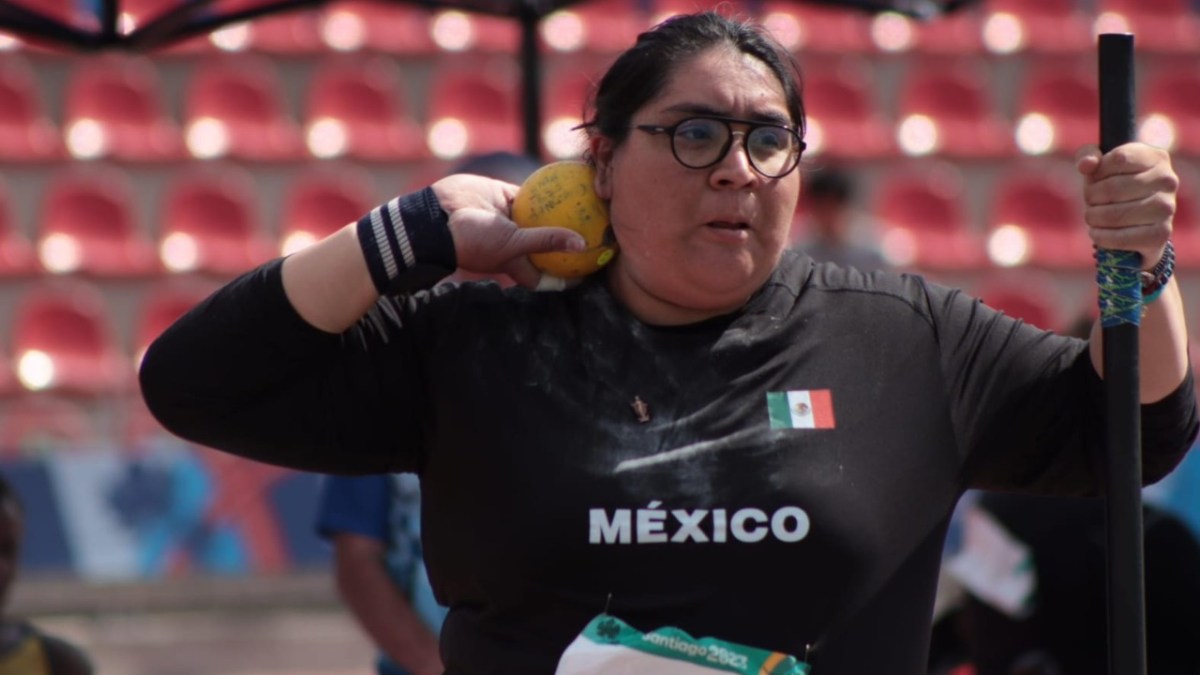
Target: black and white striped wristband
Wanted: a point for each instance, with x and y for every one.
(407, 243)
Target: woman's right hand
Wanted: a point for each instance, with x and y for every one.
(486, 240)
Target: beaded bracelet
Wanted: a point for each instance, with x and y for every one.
(1154, 281)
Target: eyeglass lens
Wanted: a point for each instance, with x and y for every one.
(702, 142)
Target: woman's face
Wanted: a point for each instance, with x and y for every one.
(696, 243)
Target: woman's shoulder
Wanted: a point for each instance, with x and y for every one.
(832, 279)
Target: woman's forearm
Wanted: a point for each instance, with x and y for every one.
(1162, 346)
(328, 282)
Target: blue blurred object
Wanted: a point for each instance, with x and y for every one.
(1179, 492)
(45, 547)
(296, 496)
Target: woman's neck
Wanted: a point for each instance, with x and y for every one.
(655, 310)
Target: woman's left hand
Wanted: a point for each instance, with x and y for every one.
(1130, 197)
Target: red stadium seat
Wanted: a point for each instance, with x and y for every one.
(947, 109)
(62, 342)
(473, 108)
(565, 94)
(8, 379)
(1160, 25)
(1056, 108)
(663, 9)
(114, 108)
(291, 32)
(398, 28)
(1034, 300)
(320, 202)
(161, 306)
(1170, 108)
(595, 26)
(958, 33)
(138, 430)
(812, 28)
(1036, 218)
(17, 258)
(425, 174)
(89, 225)
(27, 133)
(1041, 26)
(37, 424)
(137, 13)
(461, 31)
(211, 224)
(8, 374)
(843, 118)
(360, 109)
(923, 219)
(234, 107)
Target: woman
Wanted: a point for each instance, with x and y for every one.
(708, 435)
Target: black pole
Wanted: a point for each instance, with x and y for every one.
(531, 79)
(1125, 565)
(109, 14)
(27, 23)
(190, 19)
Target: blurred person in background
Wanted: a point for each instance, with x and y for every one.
(25, 650)
(1032, 569)
(1179, 492)
(833, 228)
(374, 523)
(1028, 576)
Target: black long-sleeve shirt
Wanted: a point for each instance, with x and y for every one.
(575, 459)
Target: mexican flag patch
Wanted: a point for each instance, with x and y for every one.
(802, 409)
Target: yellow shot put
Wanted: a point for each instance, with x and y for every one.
(563, 194)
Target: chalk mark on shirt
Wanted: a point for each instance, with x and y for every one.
(685, 452)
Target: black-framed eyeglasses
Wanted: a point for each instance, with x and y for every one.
(700, 142)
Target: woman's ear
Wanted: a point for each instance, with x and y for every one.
(602, 155)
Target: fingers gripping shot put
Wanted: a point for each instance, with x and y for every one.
(563, 194)
(710, 447)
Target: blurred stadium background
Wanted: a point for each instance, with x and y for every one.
(131, 184)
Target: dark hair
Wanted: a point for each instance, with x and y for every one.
(642, 71)
(831, 184)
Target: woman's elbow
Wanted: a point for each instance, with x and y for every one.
(162, 384)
